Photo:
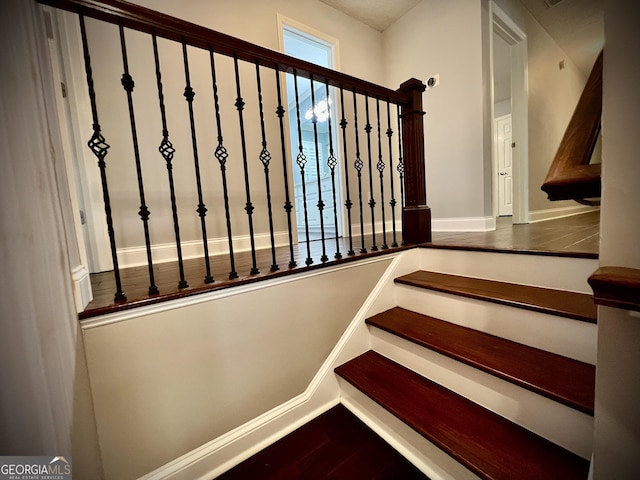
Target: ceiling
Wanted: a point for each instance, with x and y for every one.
(378, 14)
(577, 26)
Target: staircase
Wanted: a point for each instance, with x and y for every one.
(473, 374)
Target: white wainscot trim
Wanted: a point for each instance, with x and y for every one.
(82, 293)
(553, 213)
(469, 224)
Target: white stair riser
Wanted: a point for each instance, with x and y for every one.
(570, 338)
(562, 273)
(432, 461)
(554, 421)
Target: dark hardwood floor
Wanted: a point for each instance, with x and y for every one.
(334, 445)
(573, 236)
(578, 235)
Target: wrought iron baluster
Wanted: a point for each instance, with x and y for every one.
(128, 85)
(249, 208)
(167, 151)
(189, 94)
(380, 167)
(332, 162)
(358, 164)
(280, 111)
(392, 202)
(400, 166)
(98, 145)
(301, 160)
(348, 204)
(372, 202)
(265, 158)
(221, 155)
(320, 204)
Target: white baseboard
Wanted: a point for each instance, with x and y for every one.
(82, 293)
(553, 213)
(469, 224)
(166, 252)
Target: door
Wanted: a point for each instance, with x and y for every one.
(505, 166)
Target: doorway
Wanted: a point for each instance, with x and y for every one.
(312, 133)
(510, 41)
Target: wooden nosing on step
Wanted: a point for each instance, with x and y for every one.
(489, 445)
(559, 378)
(578, 306)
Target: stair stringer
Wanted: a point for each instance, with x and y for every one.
(563, 425)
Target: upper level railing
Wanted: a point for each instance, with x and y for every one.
(571, 176)
(242, 163)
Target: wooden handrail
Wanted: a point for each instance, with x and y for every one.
(617, 287)
(165, 26)
(570, 176)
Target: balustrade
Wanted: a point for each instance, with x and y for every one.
(336, 180)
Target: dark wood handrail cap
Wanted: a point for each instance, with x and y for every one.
(617, 287)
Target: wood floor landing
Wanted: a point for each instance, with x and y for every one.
(575, 236)
(334, 445)
(572, 236)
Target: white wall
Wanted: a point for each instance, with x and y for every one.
(45, 403)
(553, 96)
(166, 383)
(445, 38)
(617, 418)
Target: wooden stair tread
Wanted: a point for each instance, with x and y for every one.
(578, 306)
(559, 378)
(489, 445)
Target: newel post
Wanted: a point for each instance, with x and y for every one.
(416, 215)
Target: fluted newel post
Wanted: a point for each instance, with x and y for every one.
(416, 215)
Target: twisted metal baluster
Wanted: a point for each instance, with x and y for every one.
(400, 167)
(301, 160)
(372, 202)
(265, 158)
(332, 162)
(320, 204)
(392, 202)
(380, 167)
(358, 164)
(128, 85)
(348, 204)
(221, 155)
(249, 208)
(280, 111)
(167, 151)
(99, 147)
(202, 209)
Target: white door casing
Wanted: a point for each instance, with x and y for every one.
(514, 36)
